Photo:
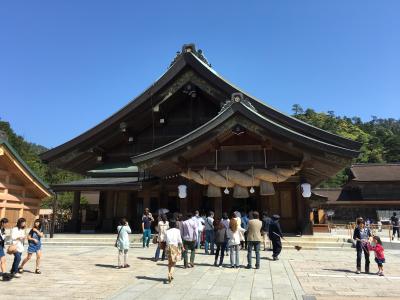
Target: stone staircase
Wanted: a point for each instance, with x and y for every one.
(314, 242)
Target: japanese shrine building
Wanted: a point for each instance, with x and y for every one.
(21, 190)
(193, 128)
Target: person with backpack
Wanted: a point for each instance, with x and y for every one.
(209, 228)
(34, 246)
(265, 229)
(18, 238)
(362, 235)
(3, 223)
(122, 243)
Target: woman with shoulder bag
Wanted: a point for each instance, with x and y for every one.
(123, 243)
(34, 245)
(18, 238)
(163, 226)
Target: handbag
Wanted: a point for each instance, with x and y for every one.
(163, 245)
(116, 241)
(155, 239)
(12, 249)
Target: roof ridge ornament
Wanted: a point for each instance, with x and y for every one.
(191, 48)
(237, 98)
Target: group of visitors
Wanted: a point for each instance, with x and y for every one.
(366, 242)
(18, 239)
(180, 237)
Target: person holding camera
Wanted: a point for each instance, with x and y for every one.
(122, 243)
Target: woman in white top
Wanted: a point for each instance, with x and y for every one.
(123, 242)
(18, 237)
(163, 226)
(174, 248)
(233, 234)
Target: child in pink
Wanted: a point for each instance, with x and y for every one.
(376, 246)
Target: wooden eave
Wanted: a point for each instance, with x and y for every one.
(23, 169)
(250, 114)
(189, 59)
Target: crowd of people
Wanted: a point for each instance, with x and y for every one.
(180, 237)
(17, 247)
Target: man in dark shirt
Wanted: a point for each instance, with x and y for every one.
(275, 234)
(395, 223)
(146, 227)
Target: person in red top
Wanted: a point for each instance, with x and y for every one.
(376, 246)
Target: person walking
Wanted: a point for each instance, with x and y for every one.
(200, 227)
(123, 243)
(266, 220)
(3, 275)
(163, 226)
(361, 235)
(18, 238)
(396, 226)
(254, 239)
(174, 246)
(146, 227)
(275, 234)
(189, 237)
(209, 228)
(34, 246)
(233, 235)
(220, 241)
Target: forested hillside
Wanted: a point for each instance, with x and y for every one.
(380, 139)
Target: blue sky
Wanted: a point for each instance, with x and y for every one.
(67, 65)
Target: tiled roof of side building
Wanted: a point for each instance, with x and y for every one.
(376, 172)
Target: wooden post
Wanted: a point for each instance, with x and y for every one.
(75, 211)
(53, 217)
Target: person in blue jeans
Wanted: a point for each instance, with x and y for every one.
(18, 239)
(209, 227)
(34, 246)
(146, 227)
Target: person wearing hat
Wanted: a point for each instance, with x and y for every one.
(275, 234)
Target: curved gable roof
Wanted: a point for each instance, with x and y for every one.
(242, 109)
(204, 70)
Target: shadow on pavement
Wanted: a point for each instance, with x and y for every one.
(105, 266)
(340, 270)
(151, 278)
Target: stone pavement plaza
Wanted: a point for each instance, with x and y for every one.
(89, 273)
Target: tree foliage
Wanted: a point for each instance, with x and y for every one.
(380, 138)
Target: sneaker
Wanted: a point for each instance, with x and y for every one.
(16, 275)
(20, 270)
(248, 267)
(257, 267)
(381, 274)
(220, 266)
(358, 272)
(275, 258)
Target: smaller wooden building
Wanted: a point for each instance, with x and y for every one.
(371, 188)
(21, 190)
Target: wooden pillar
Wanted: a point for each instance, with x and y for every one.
(54, 216)
(218, 206)
(303, 213)
(75, 211)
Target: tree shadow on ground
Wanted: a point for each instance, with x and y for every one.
(151, 278)
(105, 266)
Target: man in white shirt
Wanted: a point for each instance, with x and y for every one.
(200, 227)
(18, 237)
